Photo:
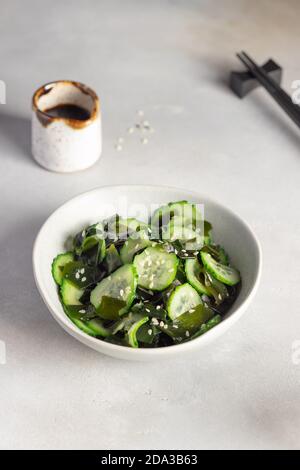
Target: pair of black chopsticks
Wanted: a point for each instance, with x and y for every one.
(279, 95)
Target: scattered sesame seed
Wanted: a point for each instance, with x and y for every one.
(165, 326)
(146, 123)
(144, 140)
(83, 279)
(82, 311)
(130, 130)
(187, 334)
(175, 326)
(77, 275)
(82, 271)
(183, 251)
(192, 310)
(158, 307)
(195, 253)
(148, 310)
(121, 292)
(150, 332)
(151, 285)
(161, 324)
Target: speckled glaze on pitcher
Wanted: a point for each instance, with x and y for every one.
(66, 144)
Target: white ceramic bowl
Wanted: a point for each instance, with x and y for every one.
(228, 229)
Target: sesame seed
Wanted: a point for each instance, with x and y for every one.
(195, 253)
(82, 311)
(130, 130)
(150, 332)
(151, 285)
(77, 275)
(192, 310)
(158, 307)
(82, 271)
(83, 279)
(121, 292)
(144, 140)
(165, 326)
(183, 251)
(154, 321)
(148, 310)
(161, 324)
(187, 334)
(175, 326)
(146, 123)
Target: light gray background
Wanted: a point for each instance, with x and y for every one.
(171, 59)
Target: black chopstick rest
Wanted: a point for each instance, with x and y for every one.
(242, 83)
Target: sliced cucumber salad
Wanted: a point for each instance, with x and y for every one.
(147, 285)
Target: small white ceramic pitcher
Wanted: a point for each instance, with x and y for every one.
(65, 142)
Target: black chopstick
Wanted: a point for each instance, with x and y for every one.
(279, 95)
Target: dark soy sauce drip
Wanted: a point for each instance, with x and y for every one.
(68, 111)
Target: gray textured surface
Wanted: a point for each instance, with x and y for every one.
(170, 59)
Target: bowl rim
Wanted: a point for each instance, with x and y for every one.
(138, 353)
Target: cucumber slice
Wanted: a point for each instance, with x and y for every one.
(188, 323)
(182, 212)
(70, 293)
(120, 285)
(132, 331)
(58, 266)
(119, 227)
(183, 299)
(186, 211)
(93, 327)
(156, 268)
(195, 276)
(131, 247)
(96, 325)
(223, 273)
(182, 232)
(216, 288)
